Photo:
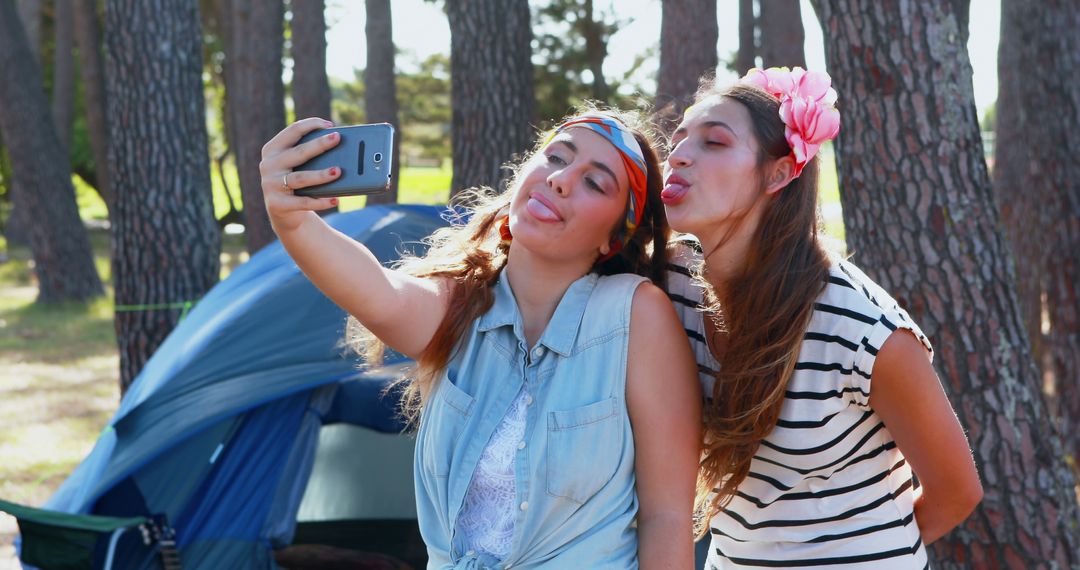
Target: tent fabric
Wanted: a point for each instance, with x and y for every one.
(218, 431)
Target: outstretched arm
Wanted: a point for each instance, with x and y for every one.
(664, 399)
(907, 395)
(402, 310)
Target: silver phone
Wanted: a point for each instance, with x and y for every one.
(364, 156)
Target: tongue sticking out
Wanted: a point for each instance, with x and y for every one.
(673, 193)
(540, 211)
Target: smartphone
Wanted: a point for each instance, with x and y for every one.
(364, 156)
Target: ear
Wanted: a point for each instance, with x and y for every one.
(780, 174)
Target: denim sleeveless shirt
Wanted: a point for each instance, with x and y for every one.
(575, 498)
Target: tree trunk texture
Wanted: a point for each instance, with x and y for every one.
(688, 35)
(41, 179)
(1037, 183)
(30, 13)
(17, 227)
(256, 102)
(746, 57)
(922, 221)
(782, 34)
(166, 245)
(88, 40)
(63, 86)
(380, 88)
(595, 51)
(491, 89)
(310, 87)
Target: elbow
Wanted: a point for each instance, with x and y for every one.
(971, 498)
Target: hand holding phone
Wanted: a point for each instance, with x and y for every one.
(364, 156)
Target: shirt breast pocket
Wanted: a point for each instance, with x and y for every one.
(583, 449)
(444, 419)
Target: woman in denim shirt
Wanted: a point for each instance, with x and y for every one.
(555, 391)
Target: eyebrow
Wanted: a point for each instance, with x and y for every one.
(595, 163)
(707, 125)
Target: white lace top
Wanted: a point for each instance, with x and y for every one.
(486, 519)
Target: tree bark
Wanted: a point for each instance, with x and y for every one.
(88, 39)
(922, 221)
(782, 34)
(688, 35)
(63, 86)
(491, 89)
(165, 241)
(595, 51)
(30, 13)
(746, 57)
(380, 88)
(256, 102)
(310, 87)
(41, 186)
(1037, 182)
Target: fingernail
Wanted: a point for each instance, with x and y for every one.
(328, 124)
(333, 136)
(333, 201)
(334, 171)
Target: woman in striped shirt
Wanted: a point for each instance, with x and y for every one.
(822, 403)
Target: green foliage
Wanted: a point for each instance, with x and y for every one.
(423, 103)
(988, 124)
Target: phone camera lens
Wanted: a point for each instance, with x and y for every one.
(377, 157)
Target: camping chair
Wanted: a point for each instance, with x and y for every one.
(60, 541)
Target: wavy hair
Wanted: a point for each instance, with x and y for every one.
(766, 308)
(471, 255)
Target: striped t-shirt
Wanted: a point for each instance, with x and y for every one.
(828, 486)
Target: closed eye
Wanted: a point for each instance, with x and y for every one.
(592, 184)
(556, 159)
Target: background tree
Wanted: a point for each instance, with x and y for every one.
(256, 101)
(746, 57)
(16, 226)
(920, 216)
(782, 34)
(166, 244)
(491, 88)
(688, 35)
(63, 85)
(91, 67)
(571, 47)
(380, 82)
(1037, 182)
(41, 182)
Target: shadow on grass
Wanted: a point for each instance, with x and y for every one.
(57, 333)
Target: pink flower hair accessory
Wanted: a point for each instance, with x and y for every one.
(806, 107)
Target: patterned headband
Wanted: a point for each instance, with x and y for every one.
(633, 159)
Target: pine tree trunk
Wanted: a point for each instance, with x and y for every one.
(746, 57)
(63, 86)
(310, 87)
(595, 51)
(782, 34)
(688, 35)
(256, 102)
(1037, 182)
(166, 244)
(922, 221)
(491, 85)
(30, 13)
(380, 88)
(41, 180)
(88, 39)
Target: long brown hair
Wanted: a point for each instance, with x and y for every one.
(766, 308)
(471, 254)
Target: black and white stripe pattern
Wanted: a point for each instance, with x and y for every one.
(828, 487)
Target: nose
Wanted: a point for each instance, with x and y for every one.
(559, 181)
(679, 156)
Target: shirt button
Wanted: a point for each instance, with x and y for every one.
(470, 553)
(528, 399)
(521, 445)
(525, 505)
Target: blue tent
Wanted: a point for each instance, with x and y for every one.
(219, 432)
